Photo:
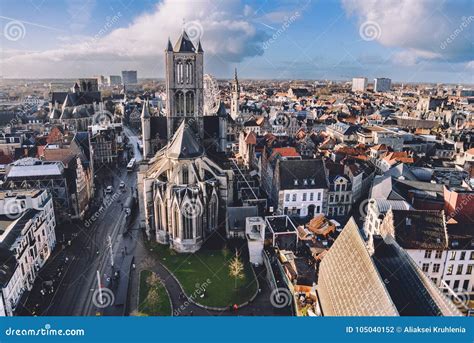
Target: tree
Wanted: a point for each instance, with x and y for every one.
(153, 280)
(236, 268)
(153, 299)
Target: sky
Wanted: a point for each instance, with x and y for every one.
(405, 40)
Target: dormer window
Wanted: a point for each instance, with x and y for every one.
(312, 181)
(305, 182)
(296, 182)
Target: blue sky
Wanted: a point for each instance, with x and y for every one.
(406, 40)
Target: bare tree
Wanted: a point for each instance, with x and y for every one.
(236, 268)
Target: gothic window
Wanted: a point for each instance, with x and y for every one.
(179, 72)
(158, 217)
(213, 213)
(189, 72)
(189, 103)
(185, 174)
(179, 102)
(176, 223)
(188, 227)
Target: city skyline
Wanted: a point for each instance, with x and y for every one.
(335, 40)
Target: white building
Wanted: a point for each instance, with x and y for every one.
(255, 234)
(382, 84)
(27, 239)
(359, 84)
(302, 188)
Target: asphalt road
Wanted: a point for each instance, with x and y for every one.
(134, 141)
(88, 251)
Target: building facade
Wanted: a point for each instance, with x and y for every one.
(382, 84)
(26, 242)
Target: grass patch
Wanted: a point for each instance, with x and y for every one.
(210, 267)
(153, 298)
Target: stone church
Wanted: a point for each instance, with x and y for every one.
(184, 187)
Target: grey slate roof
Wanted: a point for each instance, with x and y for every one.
(300, 170)
(420, 229)
(184, 144)
(184, 44)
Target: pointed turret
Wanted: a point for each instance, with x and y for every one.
(146, 110)
(221, 112)
(170, 47)
(200, 47)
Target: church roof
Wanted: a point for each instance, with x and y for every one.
(349, 283)
(184, 44)
(184, 144)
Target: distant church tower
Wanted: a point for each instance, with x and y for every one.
(184, 85)
(234, 107)
(146, 129)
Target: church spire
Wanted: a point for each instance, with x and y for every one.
(146, 110)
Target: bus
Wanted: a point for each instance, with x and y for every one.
(131, 165)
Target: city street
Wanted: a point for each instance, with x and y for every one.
(86, 250)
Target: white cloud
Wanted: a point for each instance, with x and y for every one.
(423, 29)
(227, 37)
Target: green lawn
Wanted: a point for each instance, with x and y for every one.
(193, 271)
(163, 305)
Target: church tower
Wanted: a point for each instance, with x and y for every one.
(146, 129)
(184, 85)
(234, 107)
